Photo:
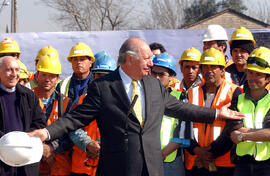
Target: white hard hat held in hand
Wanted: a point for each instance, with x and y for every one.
(19, 149)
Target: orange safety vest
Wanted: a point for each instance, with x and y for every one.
(80, 163)
(178, 86)
(62, 162)
(267, 87)
(204, 133)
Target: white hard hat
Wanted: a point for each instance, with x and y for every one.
(214, 32)
(19, 149)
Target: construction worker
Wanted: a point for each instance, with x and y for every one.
(164, 69)
(103, 65)
(23, 73)
(189, 65)
(241, 45)
(47, 50)
(9, 47)
(81, 57)
(75, 86)
(215, 93)
(84, 159)
(215, 36)
(251, 152)
(53, 104)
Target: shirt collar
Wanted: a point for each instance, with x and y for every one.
(7, 89)
(248, 96)
(126, 79)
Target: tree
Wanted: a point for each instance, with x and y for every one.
(201, 9)
(87, 15)
(260, 11)
(236, 5)
(164, 14)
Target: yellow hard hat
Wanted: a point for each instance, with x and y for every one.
(23, 70)
(212, 56)
(8, 45)
(49, 64)
(47, 50)
(81, 49)
(242, 33)
(259, 60)
(190, 54)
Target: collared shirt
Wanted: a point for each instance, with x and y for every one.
(128, 87)
(7, 89)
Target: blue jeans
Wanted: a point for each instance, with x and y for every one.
(175, 168)
(253, 169)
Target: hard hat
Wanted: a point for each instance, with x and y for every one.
(259, 60)
(242, 33)
(165, 60)
(23, 70)
(8, 45)
(104, 62)
(190, 54)
(214, 32)
(47, 50)
(212, 56)
(81, 49)
(49, 64)
(19, 149)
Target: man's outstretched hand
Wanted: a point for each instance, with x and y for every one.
(225, 113)
(41, 133)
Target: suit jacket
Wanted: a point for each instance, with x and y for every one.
(32, 118)
(125, 146)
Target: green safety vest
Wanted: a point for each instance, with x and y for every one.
(64, 86)
(32, 84)
(254, 120)
(167, 127)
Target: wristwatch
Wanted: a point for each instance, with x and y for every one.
(240, 137)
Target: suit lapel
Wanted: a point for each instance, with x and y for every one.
(119, 90)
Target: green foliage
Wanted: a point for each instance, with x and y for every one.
(201, 9)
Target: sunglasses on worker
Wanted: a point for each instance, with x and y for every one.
(258, 61)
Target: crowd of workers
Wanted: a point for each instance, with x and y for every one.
(210, 79)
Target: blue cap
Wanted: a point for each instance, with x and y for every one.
(165, 60)
(104, 62)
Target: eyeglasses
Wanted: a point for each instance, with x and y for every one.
(258, 61)
(160, 74)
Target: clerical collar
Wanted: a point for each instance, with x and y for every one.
(7, 89)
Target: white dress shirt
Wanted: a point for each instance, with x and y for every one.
(128, 87)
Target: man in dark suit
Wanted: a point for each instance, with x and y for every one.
(19, 111)
(130, 145)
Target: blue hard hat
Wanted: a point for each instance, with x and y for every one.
(104, 62)
(165, 60)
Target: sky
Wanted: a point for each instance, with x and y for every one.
(33, 16)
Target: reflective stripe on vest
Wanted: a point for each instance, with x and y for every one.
(64, 86)
(228, 77)
(254, 120)
(205, 134)
(80, 162)
(167, 127)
